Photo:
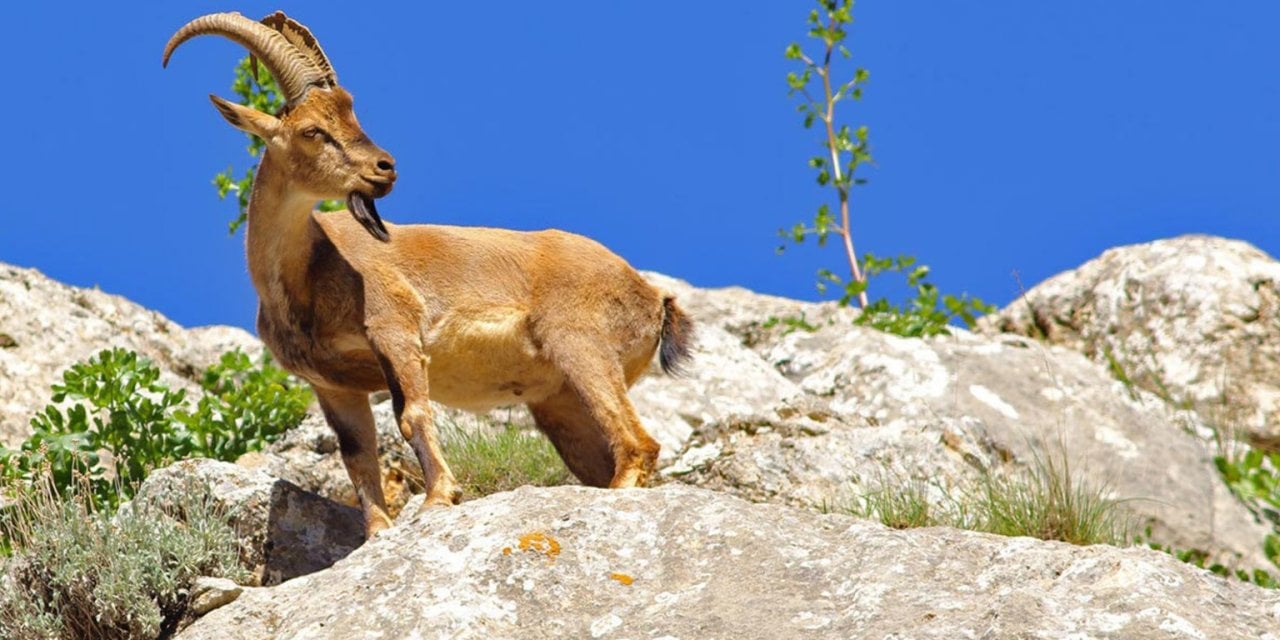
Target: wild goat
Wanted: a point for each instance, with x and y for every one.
(481, 317)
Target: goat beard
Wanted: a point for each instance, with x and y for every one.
(362, 208)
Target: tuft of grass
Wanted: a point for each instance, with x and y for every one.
(1050, 502)
(1047, 501)
(490, 462)
(78, 572)
(904, 506)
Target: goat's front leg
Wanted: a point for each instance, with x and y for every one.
(348, 414)
(405, 368)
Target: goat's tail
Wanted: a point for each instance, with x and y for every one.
(676, 339)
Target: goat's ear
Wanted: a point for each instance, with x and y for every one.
(263, 125)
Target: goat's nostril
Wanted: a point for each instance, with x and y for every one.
(385, 165)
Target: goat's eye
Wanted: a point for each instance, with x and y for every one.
(312, 132)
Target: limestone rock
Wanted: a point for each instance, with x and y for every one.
(284, 531)
(46, 326)
(1195, 319)
(208, 594)
(688, 563)
(757, 319)
(724, 378)
(945, 410)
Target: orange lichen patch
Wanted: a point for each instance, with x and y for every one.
(541, 543)
(506, 551)
(622, 578)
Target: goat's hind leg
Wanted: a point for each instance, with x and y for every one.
(350, 417)
(577, 437)
(602, 427)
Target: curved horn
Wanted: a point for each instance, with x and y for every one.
(300, 37)
(293, 70)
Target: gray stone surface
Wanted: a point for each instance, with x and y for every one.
(724, 378)
(284, 531)
(943, 411)
(679, 562)
(1193, 318)
(208, 594)
(46, 326)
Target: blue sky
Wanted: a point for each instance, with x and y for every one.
(1010, 136)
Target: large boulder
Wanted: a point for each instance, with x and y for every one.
(881, 409)
(1195, 319)
(681, 562)
(46, 326)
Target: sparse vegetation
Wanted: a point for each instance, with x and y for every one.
(920, 316)
(1199, 558)
(1047, 501)
(1051, 502)
(900, 505)
(119, 422)
(489, 462)
(80, 572)
(789, 324)
(844, 150)
(1252, 475)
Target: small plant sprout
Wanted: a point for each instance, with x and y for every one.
(845, 148)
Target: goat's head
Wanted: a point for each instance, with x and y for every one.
(316, 134)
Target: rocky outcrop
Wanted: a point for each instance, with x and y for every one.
(46, 326)
(781, 412)
(881, 409)
(284, 531)
(1195, 319)
(681, 562)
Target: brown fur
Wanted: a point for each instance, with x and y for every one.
(469, 317)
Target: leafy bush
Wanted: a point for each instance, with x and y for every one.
(120, 408)
(1255, 478)
(245, 407)
(920, 316)
(490, 462)
(81, 573)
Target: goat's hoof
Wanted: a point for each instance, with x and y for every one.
(375, 525)
(441, 501)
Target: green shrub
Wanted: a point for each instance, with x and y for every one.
(490, 462)
(921, 315)
(1255, 478)
(121, 409)
(1200, 558)
(245, 407)
(81, 573)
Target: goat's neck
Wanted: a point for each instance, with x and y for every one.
(279, 237)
